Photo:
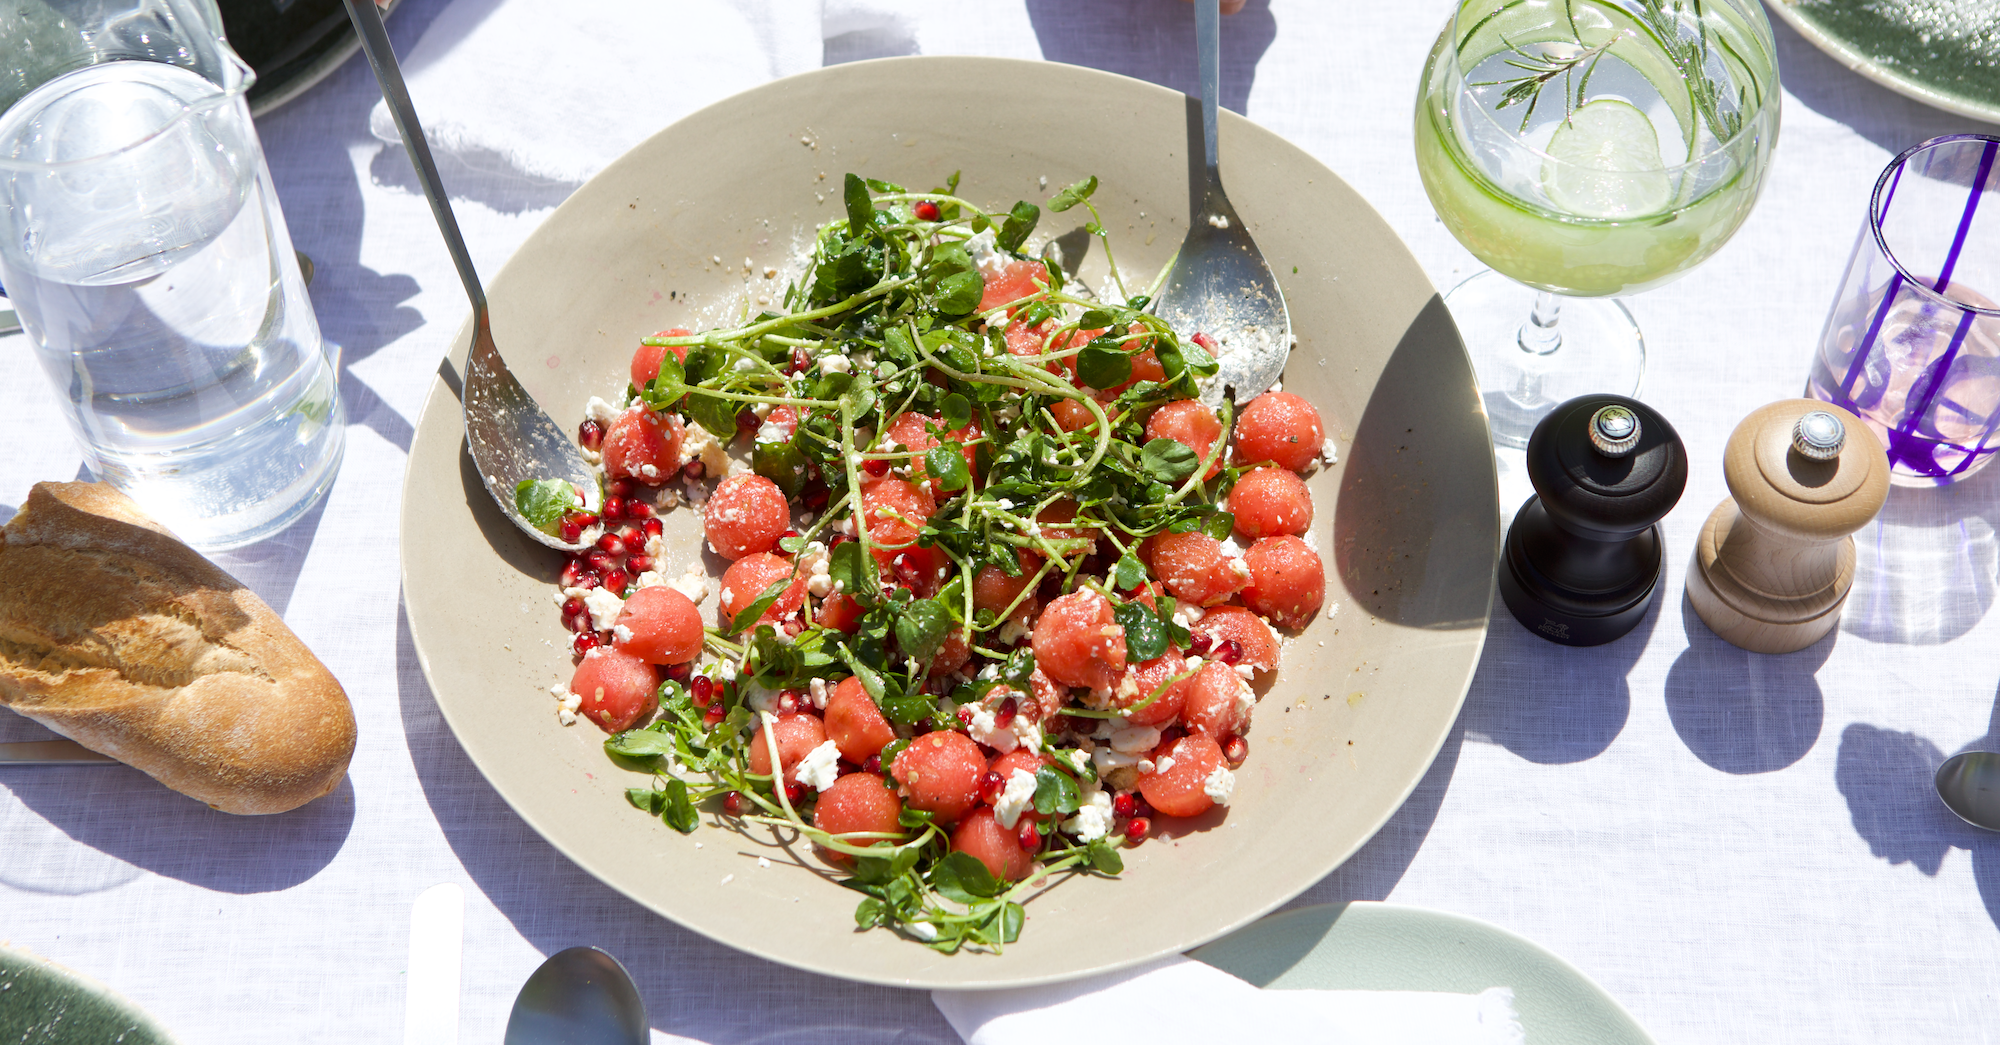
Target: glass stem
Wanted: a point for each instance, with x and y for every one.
(1539, 335)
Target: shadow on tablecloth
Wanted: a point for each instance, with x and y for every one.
(1744, 712)
(692, 985)
(1886, 777)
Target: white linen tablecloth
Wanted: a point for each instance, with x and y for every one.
(1739, 848)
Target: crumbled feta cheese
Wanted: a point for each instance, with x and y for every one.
(1106, 760)
(835, 363)
(700, 444)
(1013, 629)
(1231, 548)
(1220, 221)
(565, 716)
(693, 583)
(817, 690)
(621, 633)
(1192, 612)
(1331, 609)
(1075, 759)
(1135, 739)
(1029, 734)
(924, 931)
(1328, 452)
(1240, 568)
(1246, 700)
(760, 698)
(604, 608)
(763, 861)
(1220, 783)
(1245, 670)
(600, 411)
(1016, 799)
(647, 471)
(820, 767)
(1165, 763)
(743, 363)
(726, 596)
(1093, 819)
(986, 731)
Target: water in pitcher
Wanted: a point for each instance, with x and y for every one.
(151, 266)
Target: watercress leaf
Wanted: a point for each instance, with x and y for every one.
(1055, 791)
(879, 185)
(961, 878)
(679, 812)
(1105, 858)
(920, 628)
(1011, 917)
(1219, 525)
(1131, 572)
(1020, 666)
(644, 799)
(639, 743)
(956, 411)
(903, 862)
(1163, 607)
(1095, 319)
(852, 570)
(945, 464)
(870, 913)
(1073, 194)
(1102, 364)
(782, 463)
(1019, 225)
(544, 502)
(1145, 639)
(1197, 357)
(860, 206)
(1168, 461)
(666, 389)
(756, 609)
(716, 414)
(958, 293)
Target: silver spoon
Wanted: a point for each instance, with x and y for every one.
(580, 996)
(1221, 285)
(1969, 783)
(511, 438)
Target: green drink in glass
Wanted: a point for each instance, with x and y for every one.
(1587, 148)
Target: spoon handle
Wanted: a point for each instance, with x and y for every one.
(382, 59)
(1208, 47)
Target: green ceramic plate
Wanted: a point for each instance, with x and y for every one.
(1384, 947)
(1944, 53)
(42, 1003)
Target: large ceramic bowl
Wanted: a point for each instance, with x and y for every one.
(1407, 521)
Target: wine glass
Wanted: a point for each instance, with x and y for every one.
(1585, 149)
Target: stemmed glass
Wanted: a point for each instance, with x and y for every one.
(1585, 149)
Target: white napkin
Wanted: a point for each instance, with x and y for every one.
(556, 89)
(1177, 1000)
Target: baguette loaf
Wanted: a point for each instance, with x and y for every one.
(118, 636)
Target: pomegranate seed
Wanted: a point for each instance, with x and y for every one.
(801, 362)
(597, 559)
(585, 641)
(680, 672)
(588, 579)
(795, 627)
(590, 435)
(654, 527)
(965, 716)
(637, 509)
(1124, 806)
(927, 211)
(572, 606)
(615, 581)
(610, 544)
(1229, 652)
(1136, 830)
(815, 496)
(701, 689)
(714, 715)
(1199, 643)
(795, 792)
(572, 572)
(1031, 839)
(580, 622)
(1235, 750)
(990, 787)
(1207, 343)
(614, 508)
(587, 519)
(1170, 736)
(732, 803)
(876, 467)
(747, 421)
(788, 702)
(907, 572)
(693, 470)
(788, 533)
(621, 487)
(632, 535)
(1004, 715)
(872, 765)
(572, 531)
(837, 540)
(638, 564)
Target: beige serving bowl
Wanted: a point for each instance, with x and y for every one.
(1407, 521)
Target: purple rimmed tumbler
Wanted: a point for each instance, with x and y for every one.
(1912, 346)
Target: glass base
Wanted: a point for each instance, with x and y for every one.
(1594, 347)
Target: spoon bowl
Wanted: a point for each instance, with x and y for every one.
(1969, 784)
(1220, 284)
(581, 996)
(512, 439)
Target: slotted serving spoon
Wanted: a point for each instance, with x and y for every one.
(512, 439)
(1221, 285)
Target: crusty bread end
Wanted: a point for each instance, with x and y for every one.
(118, 636)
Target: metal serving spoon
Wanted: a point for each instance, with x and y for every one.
(511, 438)
(580, 996)
(1221, 285)
(1969, 783)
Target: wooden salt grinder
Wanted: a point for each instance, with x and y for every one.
(1776, 557)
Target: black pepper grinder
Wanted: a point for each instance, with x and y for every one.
(1585, 553)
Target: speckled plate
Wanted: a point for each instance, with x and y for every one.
(679, 232)
(1365, 946)
(1944, 53)
(42, 1003)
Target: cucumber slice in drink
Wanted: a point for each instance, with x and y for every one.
(1605, 163)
